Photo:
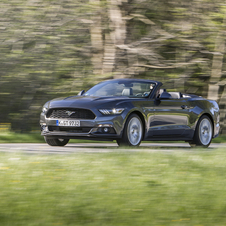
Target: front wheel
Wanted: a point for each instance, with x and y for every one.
(56, 141)
(133, 132)
(203, 133)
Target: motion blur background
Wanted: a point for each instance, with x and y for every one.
(53, 48)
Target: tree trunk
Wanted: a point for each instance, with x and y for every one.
(217, 67)
(97, 40)
(105, 43)
(223, 111)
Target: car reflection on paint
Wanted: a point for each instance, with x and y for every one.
(130, 111)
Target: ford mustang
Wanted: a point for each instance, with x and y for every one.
(130, 111)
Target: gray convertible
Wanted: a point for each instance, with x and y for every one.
(130, 111)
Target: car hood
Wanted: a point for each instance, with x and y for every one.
(86, 101)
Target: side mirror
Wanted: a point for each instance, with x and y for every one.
(81, 93)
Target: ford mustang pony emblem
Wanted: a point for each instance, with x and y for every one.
(70, 112)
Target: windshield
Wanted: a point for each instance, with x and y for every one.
(122, 88)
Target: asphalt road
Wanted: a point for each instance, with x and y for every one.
(96, 147)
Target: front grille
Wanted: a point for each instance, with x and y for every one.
(75, 113)
(69, 129)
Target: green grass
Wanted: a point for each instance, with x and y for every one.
(12, 137)
(117, 188)
(34, 137)
(220, 139)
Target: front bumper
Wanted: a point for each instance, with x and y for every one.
(216, 130)
(101, 128)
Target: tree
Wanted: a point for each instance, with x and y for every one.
(43, 55)
(53, 48)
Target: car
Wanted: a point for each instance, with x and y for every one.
(130, 111)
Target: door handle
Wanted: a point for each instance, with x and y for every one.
(184, 107)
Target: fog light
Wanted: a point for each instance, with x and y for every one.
(105, 129)
(44, 127)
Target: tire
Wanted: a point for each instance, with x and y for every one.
(203, 133)
(132, 132)
(56, 142)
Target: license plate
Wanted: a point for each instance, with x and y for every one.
(74, 123)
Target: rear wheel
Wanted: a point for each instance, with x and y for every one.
(133, 132)
(203, 133)
(56, 141)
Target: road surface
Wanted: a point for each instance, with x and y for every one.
(97, 147)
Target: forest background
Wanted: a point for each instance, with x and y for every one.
(57, 48)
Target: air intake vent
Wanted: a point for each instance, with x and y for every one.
(69, 129)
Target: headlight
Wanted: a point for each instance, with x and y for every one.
(44, 110)
(114, 111)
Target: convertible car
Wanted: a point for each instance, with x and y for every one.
(130, 111)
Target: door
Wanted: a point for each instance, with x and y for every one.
(171, 119)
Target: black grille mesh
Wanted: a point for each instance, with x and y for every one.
(69, 129)
(75, 113)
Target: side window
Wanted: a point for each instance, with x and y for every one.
(143, 89)
(136, 88)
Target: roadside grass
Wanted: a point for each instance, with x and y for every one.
(33, 137)
(12, 137)
(220, 139)
(117, 188)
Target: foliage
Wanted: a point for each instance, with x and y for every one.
(41, 56)
(57, 48)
